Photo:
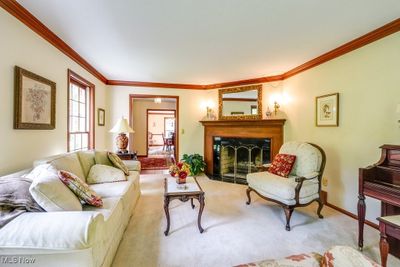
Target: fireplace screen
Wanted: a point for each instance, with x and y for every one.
(234, 158)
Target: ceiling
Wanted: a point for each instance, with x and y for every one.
(208, 41)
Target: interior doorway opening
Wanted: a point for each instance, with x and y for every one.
(155, 120)
(161, 130)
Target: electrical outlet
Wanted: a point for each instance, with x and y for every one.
(324, 181)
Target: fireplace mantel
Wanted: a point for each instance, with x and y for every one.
(236, 123)
(271, 128)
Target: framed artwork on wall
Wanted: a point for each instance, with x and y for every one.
(327, 110)
(101, 117)
(34, 101)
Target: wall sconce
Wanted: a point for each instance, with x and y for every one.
(276, 107)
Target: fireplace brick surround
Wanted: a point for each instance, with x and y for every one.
(271, 128)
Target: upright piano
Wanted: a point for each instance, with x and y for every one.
(381, 181)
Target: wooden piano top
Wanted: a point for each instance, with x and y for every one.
(382, 180)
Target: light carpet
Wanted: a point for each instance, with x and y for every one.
(234, 232)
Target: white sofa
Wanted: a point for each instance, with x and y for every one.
(73, 238)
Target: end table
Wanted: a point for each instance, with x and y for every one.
(127, 156)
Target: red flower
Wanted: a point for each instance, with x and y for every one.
(179, 164)
(182, 174)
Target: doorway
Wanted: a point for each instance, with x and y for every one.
(161, 129)
(155, 120)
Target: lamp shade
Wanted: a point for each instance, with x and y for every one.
(122, 126)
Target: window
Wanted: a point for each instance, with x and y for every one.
(80, 113)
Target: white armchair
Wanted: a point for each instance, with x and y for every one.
(301, 188)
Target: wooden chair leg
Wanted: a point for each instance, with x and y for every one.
(248, 195)
(320, 206)
(288, 213)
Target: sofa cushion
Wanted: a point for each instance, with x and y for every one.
(282, 164)
(280, 187)
(69, 163)
(49, 192)
(118, 163)
(104, 174)
(101, 157)
(86, 159)
(344, 256)
(132, 165)
(80, 188)
(53, 230)
(308, 157)
(124, 190)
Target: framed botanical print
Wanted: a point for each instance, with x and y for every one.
(327, 110)
(34, 101)
(101, 117)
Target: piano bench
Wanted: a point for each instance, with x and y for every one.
(388, 225)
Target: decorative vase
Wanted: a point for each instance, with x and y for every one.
(122, 142)
(180, 180)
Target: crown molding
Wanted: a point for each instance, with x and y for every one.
(156, 84)
(22, 14)
(368, 38)
(245, 82)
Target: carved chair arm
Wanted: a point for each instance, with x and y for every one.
(299, 181)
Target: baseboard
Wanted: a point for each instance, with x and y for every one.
(324, 196)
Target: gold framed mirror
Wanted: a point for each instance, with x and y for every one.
(240, 103)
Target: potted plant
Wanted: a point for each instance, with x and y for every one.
(195, 162)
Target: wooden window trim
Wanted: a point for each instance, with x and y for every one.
(74, 78)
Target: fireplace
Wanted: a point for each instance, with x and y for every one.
(255, 143)
(234, 157)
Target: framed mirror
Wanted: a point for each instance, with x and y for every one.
(240, 103)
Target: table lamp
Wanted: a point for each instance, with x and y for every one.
(122, 127)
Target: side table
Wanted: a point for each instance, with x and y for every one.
(388, 225)
(127, 156)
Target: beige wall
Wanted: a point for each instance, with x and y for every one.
(157, 127)
(21, 46)
(192, 109)
(139, 113)
(368, 81)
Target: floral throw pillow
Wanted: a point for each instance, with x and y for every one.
(80, 188)
(282, 164)
(117, 162)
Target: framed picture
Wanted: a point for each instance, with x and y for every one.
(327, 110)
(34, 101)
(101, 117)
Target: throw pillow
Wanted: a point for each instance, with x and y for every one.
(105, 174)
(117, 162)
(282, 164)
(49, 192)
(101, 157)
(80, 188)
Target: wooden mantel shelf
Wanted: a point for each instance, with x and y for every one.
(271, 128)
(270, 122)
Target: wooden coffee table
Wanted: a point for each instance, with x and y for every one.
(191, 191)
